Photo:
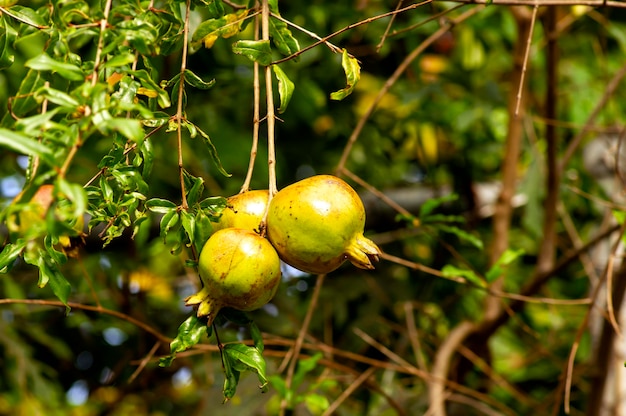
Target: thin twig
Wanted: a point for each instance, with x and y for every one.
(441, 366)
(393, 204)
(335, 49)
(394, 77)
(388, 28)
(144, 361)
(413, 336)
(299, 341)
(74, 305)
(592, 3)
(348, 391)
(526, 56)
(349, 27)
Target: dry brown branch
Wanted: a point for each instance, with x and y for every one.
(592, 3)
(413, 336)
(441, 366)
(74, 305)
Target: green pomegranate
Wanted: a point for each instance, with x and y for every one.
(317, 223)
(244, 210)
(239, 269)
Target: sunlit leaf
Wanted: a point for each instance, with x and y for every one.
(245, 358)
(190, 332)
(281, 35)
(285, 88)
(160, 205)
(256, 50)
(508, 257)
(451, 271)
(10, 253)
(28, 16)
(23, 144)
(197, 82)
(210, 30)
(352, 70)
(44, 62)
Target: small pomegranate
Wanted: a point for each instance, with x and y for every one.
(317, 223)
(239, 269)
(244, 210)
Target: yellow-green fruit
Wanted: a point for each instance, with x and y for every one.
(244, 210)
(239, 269)
(317, 223)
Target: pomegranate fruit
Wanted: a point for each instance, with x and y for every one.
(244, 210)
(239, 269)
(317, 223)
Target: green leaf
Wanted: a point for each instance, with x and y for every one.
(430, 205)
(213, 152)
(285, 88)
(10, 253)
(462, 235)
(212, 29)
(130, 128)
(257, 336)
(163, 98)
(305, 367)
(189, 224)
(256, 50)
(44, 62)
(281, 35)
(28, 16)
(121, 59)
(197, 82)
(245, 358)
(352, 70)
(316, 403)
(49, 274)
(25, 145)
(60, 98)
(451, 271)
(7, 39)
(508, 257)
(195, 186)
(190, 332)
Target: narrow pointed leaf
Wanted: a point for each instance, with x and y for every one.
(352, 70)
(23, 144)
(285, 88)
(44, 62)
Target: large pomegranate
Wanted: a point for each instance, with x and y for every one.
(244, 210)
(239, 269)
(317, 223)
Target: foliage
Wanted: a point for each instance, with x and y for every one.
(140, 115)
